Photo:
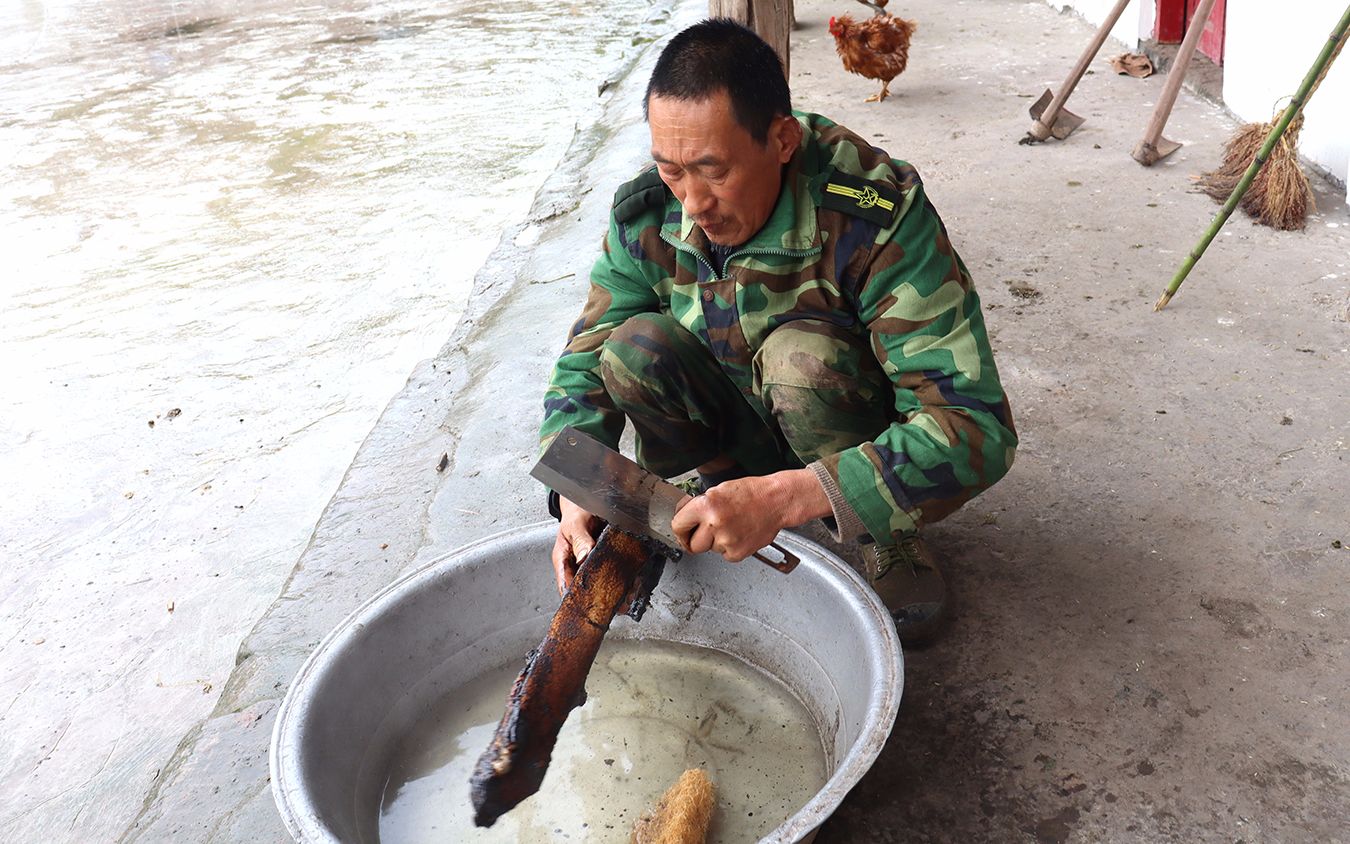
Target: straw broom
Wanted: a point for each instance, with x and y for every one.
(1274, 191)
(1280, 196)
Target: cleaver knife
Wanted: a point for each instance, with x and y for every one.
(603, 482)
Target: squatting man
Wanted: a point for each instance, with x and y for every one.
(778, 306)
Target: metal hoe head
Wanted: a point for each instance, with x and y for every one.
(1149, 153)
(1062, 123)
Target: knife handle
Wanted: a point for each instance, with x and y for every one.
(777, 557)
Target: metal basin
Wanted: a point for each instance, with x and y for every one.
(820, 631)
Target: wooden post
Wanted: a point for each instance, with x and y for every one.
(770, 19)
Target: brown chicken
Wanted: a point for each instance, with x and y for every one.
(877, 48)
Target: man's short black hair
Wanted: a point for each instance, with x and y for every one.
(721, 55)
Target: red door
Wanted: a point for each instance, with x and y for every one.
(1211, 39)
(1174, 18)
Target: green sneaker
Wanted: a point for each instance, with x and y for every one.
(907, 580)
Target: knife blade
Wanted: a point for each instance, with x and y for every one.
(603, 482)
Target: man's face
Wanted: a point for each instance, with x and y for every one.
(726, 181)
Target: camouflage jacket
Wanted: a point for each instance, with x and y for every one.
(852, 240)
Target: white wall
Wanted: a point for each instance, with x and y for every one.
(1127, 29)
(1148, 14)
(1269, 48)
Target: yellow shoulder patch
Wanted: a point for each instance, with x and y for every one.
(873, 201)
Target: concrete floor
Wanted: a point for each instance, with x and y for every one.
(1149, 639)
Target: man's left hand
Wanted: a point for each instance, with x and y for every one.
(737, 518)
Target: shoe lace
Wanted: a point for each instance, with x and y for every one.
(886, 557)
(902, 553)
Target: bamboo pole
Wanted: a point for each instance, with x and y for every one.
(1154, 147)
(1323, 60)
(1043, 124)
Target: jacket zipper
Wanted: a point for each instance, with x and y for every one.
(782, 253)
(697, 253)
(765, 250)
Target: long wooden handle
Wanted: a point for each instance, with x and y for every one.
(1047, 119)
(1177, 74)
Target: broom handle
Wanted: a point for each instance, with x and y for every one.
(1047, 118)
(1314, 77)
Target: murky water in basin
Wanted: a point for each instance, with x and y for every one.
(654, 710)
(230, 230)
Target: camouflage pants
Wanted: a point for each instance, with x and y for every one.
(817, 390)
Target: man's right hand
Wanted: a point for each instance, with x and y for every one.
(576, 538)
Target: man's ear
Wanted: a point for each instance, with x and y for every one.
(787, 134)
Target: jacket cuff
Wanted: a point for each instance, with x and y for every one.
(847, 525)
